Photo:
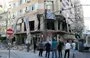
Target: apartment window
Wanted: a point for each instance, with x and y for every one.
(20, 11)
(49, 5)
(33, 7)
(68, 0)
(21, 1)
(13, 16)
(27, 1)
(19, 27)
(30, 8)
(14, 5)
(36, 6)
(60, 0)
(64, 26)
(31, 25)
(60, 11)
(26, 8)
(71, 4)
(69, 27)
(24, 26)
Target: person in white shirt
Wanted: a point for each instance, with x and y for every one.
(73, 45)
(73, 48)
(67, 49)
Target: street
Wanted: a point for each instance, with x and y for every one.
(24, 54)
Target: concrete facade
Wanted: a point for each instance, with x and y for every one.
(35, 10)
(73, 12)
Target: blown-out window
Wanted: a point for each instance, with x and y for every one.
(50, 25)
(31, 25)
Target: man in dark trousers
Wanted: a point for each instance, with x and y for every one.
(59, 48)
(28, 47)
(67, 49)
(34, 44)
(41, 46)
(48, 48)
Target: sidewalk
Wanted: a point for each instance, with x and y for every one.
(31, 54)
(21, 52)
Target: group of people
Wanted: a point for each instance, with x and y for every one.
(55, 46)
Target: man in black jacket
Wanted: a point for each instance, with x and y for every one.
(60, 47)
(48, 48)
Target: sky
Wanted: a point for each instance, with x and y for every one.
(86, 11)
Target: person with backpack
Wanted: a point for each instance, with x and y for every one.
(59, 48)
(48, 49)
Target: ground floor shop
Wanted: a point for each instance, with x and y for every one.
(38, 36)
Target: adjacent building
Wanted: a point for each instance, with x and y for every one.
(3, 22)
(73, 12)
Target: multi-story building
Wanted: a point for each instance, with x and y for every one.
(79, 22)
(3, 21)
(72, 11)
(40, 18)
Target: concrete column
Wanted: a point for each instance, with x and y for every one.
(61, 26)
(56, 25)
(57, 37)
(22, 27)
(67, 28)
(36, 25)
(42, 24)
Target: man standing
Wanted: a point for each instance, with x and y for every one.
(48, 48)
(41, 46)
(73, 48)
(34, 44)
(28, 45)
(54, 47)
(60, 47)
(67, 49)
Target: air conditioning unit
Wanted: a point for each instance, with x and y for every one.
(28, 1)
